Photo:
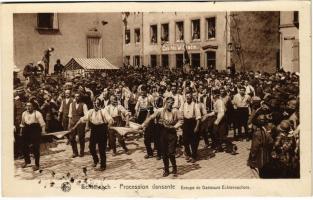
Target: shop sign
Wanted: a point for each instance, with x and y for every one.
(180, 47)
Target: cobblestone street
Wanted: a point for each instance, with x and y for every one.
(56, 162)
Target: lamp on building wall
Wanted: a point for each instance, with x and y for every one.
(238, 47)
(104, 23)
(233, 46)
(230, 47)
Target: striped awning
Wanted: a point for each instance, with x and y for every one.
(89, 64)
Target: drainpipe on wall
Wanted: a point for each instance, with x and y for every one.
(142, 41)
(281, 50)
(226, 40)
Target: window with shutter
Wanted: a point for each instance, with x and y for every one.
(295, 54)
(94, 47)
(137, 60)
(47, 22)
(179, 31)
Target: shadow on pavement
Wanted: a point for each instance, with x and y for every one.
(205, 154)
(184, 169)
(118, 163)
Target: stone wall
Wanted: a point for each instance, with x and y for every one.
(256, 34)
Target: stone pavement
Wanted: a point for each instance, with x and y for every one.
(57, 163)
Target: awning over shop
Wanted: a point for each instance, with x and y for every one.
(89, 64)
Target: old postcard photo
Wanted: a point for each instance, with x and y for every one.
(156, 99)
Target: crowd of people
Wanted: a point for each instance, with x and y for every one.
(174, 109)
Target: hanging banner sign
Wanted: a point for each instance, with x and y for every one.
(180, 47)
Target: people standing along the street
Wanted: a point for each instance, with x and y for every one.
(98, 119)
(32, 127)
(77, 110)
(241, 103)
(205, 105)
(284, 151)
(64, 109)
(58, 67)
(178, 98)
(191, 120)
(117, 112)
(169, 120)
(249, 89)
(49, 111)
(261, 146)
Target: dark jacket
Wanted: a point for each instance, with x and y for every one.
(261, 148)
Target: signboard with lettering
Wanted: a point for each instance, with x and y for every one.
(180, 47)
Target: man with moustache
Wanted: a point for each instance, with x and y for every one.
(117, 112)
(169, 120)
(241, 103)
(77, 110)
(32, 127)
(98, 120)
(64, 109)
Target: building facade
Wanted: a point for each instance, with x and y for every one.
(133, 39)
(212, 39)
(289, 41)
(164, 36)
(72, 35)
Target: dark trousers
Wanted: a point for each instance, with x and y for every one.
(18, 143)
(31, 136)
(219, 134)
(148, 138)
(113, 135)
(205, 137)
(98, 136)
(206, 126)
(112, 140)
(64, 122)
(156, 127)
(190, 138)
(241, 119)
(142, 116)
(80, 131)
(168, 141)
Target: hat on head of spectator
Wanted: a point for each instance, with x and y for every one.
(216, 92)
(284, 126)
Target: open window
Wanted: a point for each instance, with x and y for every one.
(127, 36)
(164, 32)
(137, 35)
(47, 22)
(195, 28)
(211, 59)
(179, 31)
(195, 60)
(126, 60)
(211, 27)
(153, 60)
(165, 62)
(154, 34)
(179, 60)
(137, 60)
